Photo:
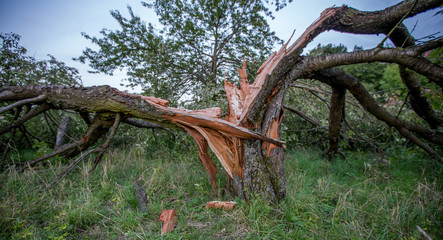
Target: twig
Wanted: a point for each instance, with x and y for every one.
(70, 167)
(8, 145)
(396, 26)
(424, 233)
(24, 129)
(49, 125)
(304, 116)
(322, 99)
(34, 112)
(404, 103)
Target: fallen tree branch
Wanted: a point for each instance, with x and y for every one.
(336, 76)
(23, 102)
(304, 116)
(69, 168)
(405, 132)
(8, 144)
(65, 148)
(406, 58)
(34, 112)
(104, 146)
(99, 149)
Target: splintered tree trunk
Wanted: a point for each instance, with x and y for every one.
(247, 141)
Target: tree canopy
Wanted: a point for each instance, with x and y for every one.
(16, 68)
(199, 42)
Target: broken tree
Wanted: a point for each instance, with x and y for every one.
(247, 141)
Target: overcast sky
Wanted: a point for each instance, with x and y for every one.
(54, 26)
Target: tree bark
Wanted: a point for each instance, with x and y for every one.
(61, 132)
(336, 116)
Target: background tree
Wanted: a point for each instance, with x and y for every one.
(200, 42)
(16, 68)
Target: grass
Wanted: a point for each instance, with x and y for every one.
(363, 197)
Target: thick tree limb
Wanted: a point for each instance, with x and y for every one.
(351, 20)
(405, 58)
(107, 99)
(418, 102)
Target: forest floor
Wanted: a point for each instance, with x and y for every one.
(363, 197)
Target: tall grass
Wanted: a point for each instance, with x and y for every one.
(363, 197)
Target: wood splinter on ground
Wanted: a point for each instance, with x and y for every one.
(220, 205)
(168, 217)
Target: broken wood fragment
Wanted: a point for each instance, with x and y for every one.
(169, 218)
(220, 205)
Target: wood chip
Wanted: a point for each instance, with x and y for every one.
(220, 205)
(169, 218)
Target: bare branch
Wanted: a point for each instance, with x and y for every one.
(304, 116)
(23, 102)
(65, 148)
(69, 168)
(405, 132)
(105, 145)
(34, 112)
(406, 58)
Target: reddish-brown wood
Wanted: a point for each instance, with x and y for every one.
(169, 218)
(220, 205)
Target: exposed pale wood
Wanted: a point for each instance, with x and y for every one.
(220, 205)
(169, 218)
